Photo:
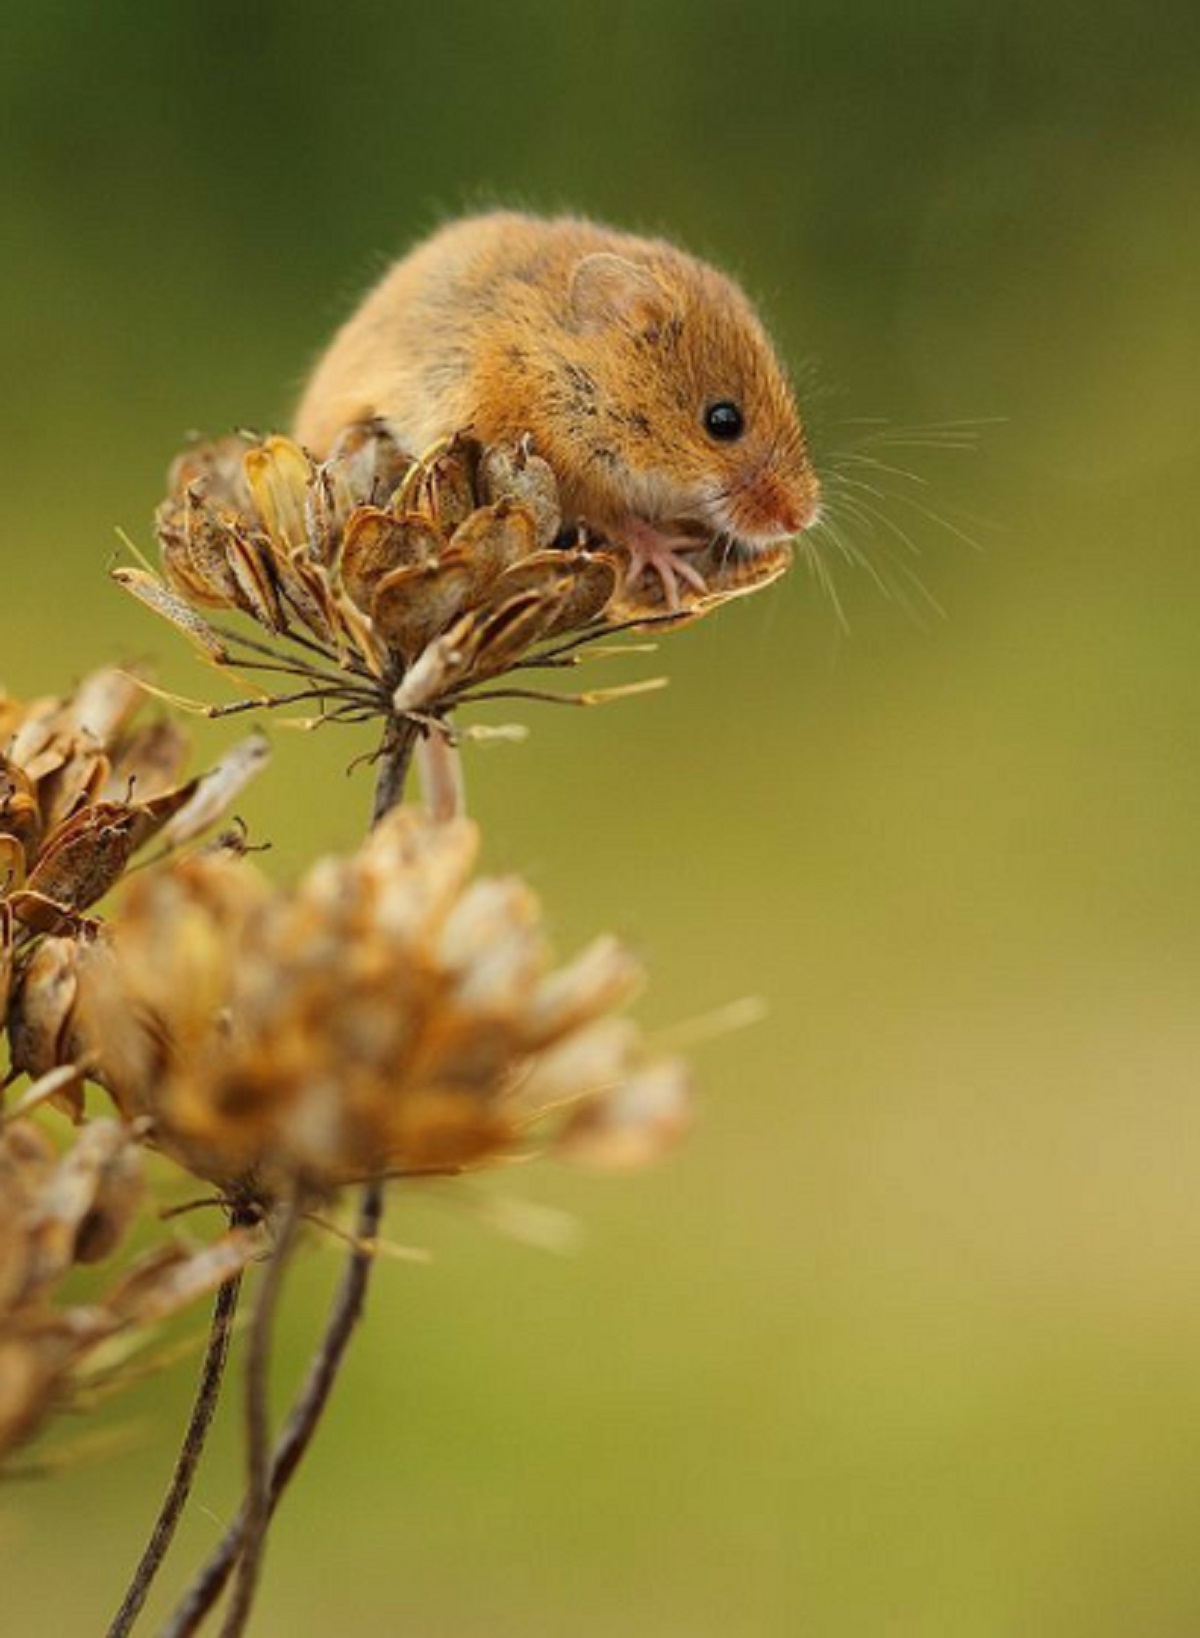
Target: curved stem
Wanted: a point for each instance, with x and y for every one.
(258, 1426)
(301, 1423)
(208, 1393)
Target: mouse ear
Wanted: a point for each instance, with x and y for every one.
(607, 289)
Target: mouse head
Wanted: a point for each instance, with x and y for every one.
(690, 408)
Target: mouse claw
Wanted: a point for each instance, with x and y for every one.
(648, 549)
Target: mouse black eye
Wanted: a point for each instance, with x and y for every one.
(724, 421)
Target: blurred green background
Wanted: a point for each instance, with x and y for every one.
(906, 1339)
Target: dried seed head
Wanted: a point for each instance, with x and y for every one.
(83, 787)
(389, 1013)
(385, 569)
(58, 1212)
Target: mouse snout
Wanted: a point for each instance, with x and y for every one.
(771, 507)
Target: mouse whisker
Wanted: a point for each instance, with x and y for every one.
(891, 573)
(814, 562)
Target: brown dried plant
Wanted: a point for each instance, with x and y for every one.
(390, 1015)
(387, 1015)
(62, 1211)
(399, 587)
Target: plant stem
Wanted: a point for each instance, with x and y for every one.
(257, 1508)
(395, 755)
(301, 1423)
(440, 768)
(208, 1393)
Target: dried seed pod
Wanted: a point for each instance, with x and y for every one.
(256, 575)
(41, 1012)
(86, 856)
(590, 587)
(212, 795)
(501, 636)
(151, 591)
(195, 555)
(442, 486)
(214, 466)
(514, 472)
(376, 541)
(12, 864)
(150, 761)
(367, 464)
(20, 817)
(278, 474)
(6, 960)
(411, 606)
(492, 539)
(87, 1207)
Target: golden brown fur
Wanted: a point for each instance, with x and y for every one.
(606, 347)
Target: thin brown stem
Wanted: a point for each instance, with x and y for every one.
(195, 1437)
(301, 1423)
(257, 1508)
(395, 755)
(394, 758)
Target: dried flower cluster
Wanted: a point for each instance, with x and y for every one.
(388, 1014)
(60, 1212)
(404, 585)
(83, 786)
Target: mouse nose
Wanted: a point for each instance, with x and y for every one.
(794, 505)
(797, 512)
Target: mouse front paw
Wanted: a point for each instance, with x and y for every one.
(660, 553)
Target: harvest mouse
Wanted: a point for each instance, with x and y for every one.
(644, 376)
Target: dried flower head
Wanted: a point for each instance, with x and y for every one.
(402, 586)
(389, 1014)
(58, 1212)
(83, 787)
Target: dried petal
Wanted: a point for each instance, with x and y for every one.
(88, 1205)
(149, 763)
(601, 977)
(105, 704)
(212, 795)
(634, 1124)
(278, 474)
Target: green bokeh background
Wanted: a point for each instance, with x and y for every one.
(906, 1340)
